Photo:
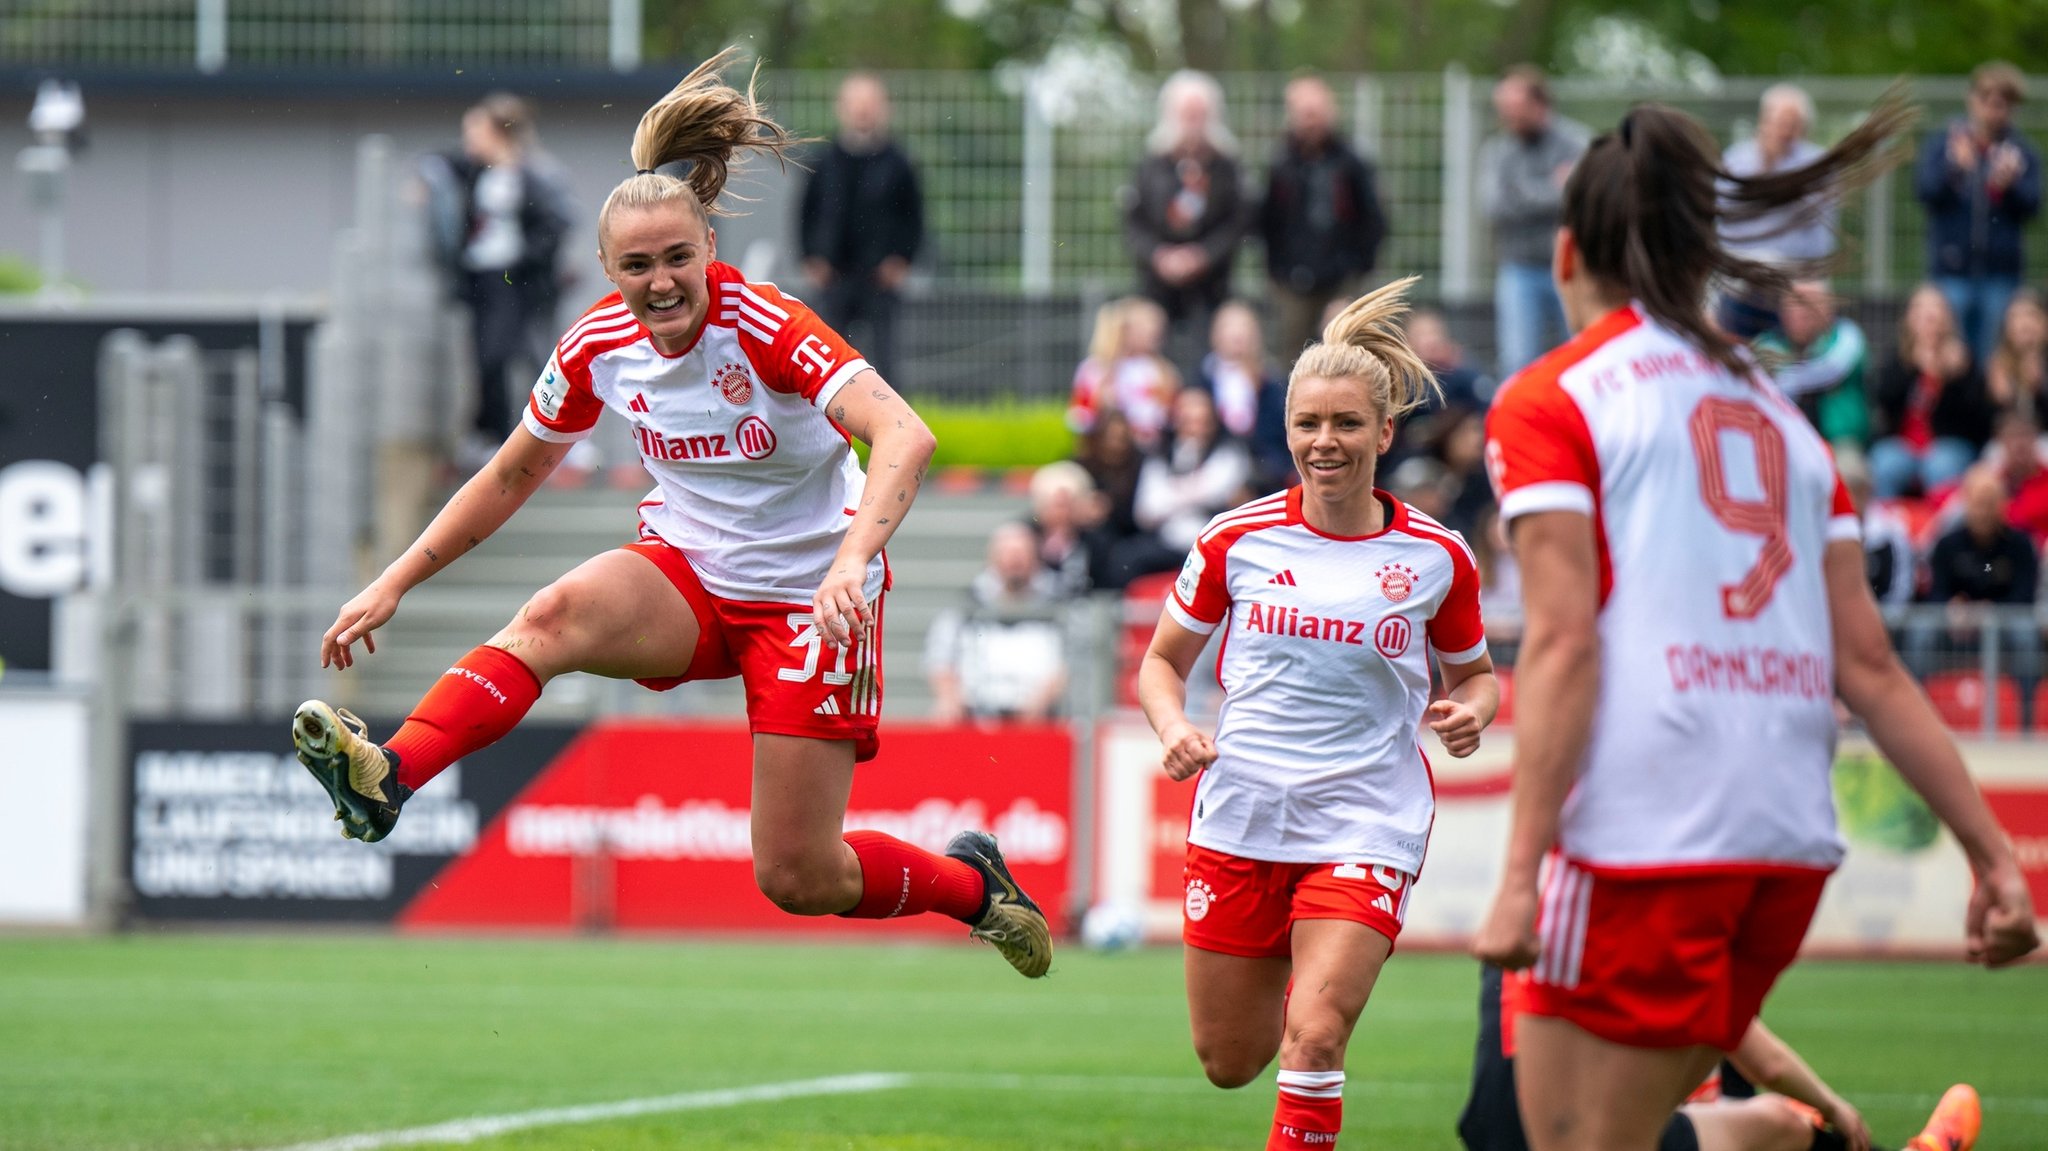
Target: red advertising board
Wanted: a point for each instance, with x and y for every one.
(2024, 815)
(645, 825)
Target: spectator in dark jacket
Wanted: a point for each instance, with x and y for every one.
(862, 222)
(497, 210)
(1980, 182)
(1185, 213)
(1320, 220)
(1930, 412)
(1984, 560)
(1250, 397)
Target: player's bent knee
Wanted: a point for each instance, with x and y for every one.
(1230, 1070)
(800, 889)
(1313, 1048)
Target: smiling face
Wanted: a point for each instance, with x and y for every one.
(1336, 434)
(657, 256)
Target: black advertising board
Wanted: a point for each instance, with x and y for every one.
(50, 444)
(225, 825)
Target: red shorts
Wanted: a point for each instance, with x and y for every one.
(1248, 907)
(1667, 960)
(795, 683)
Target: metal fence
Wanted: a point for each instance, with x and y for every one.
(210, 34)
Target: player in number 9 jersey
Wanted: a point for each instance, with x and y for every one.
(1315, 803)
(759, 552)
(1694, 601)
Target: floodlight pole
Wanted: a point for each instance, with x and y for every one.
(43, 167)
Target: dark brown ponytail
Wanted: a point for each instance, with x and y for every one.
(1646, 202)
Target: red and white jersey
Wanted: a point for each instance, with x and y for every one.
(1712, 501)
(753, 481)
(1325, 679)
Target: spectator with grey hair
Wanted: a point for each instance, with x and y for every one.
(1797, 234)
(1185, 212)
(1980, 181)
(1521, 189)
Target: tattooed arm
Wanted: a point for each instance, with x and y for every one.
(899, 452)
(479, 508)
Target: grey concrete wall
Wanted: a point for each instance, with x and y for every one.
(189, 191)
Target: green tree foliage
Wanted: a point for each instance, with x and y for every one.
(1739, 37)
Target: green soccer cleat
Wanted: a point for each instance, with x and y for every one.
(359, 776)
(1009, 920)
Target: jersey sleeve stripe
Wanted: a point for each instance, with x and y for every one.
(748, 294)
(1182, 617)
(749, 309)
(603, 317)
(1549, 496)
(1844, 528)
(572, 348)
(1429, 529)
(747, 325)
(1263, 509)
(1242, 523)
(839, 379)
(1466, 656)
(542, 431)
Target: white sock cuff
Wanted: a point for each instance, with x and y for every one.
(1313, 1084)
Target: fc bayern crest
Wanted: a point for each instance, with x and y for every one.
(734, 383)
(1397, 582)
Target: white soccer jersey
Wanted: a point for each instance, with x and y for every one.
(753, 481)
(1325, 679)
(1712, 500)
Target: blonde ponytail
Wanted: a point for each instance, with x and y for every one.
(1364, 342)
(701, 123)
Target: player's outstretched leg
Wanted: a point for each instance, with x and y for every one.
(359, 776)
(1008, 919)
(1955, 1123)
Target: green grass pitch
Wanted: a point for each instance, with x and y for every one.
(256, 1041)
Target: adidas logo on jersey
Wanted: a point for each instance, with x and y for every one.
(829, 707)
(1284, 579)
(639, 403)
(1384, 903)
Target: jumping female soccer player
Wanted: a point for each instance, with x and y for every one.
(1694, 603)
(1313, 812)
(759, 553)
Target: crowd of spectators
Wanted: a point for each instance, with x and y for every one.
(1179, 408)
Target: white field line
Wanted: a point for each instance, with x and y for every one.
(479, 1127)
(483, 1126)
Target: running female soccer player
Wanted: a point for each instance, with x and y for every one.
(1694, 602)
(759, 552)
(1313, 812)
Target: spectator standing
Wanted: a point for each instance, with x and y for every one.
(1185, 212)
(2018, 374)
(498, 209)
(1930, 413)
(1003, 658)
(1320, 220)
(1984, 560)
(1797, 234)
(862, 221)
(1980, 182)
(1124, 370)
(1522, 171)
(1818, 358)
(1251, 399)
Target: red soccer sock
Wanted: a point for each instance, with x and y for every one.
(1310, 1111)
(897, 879)
(471, 706)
